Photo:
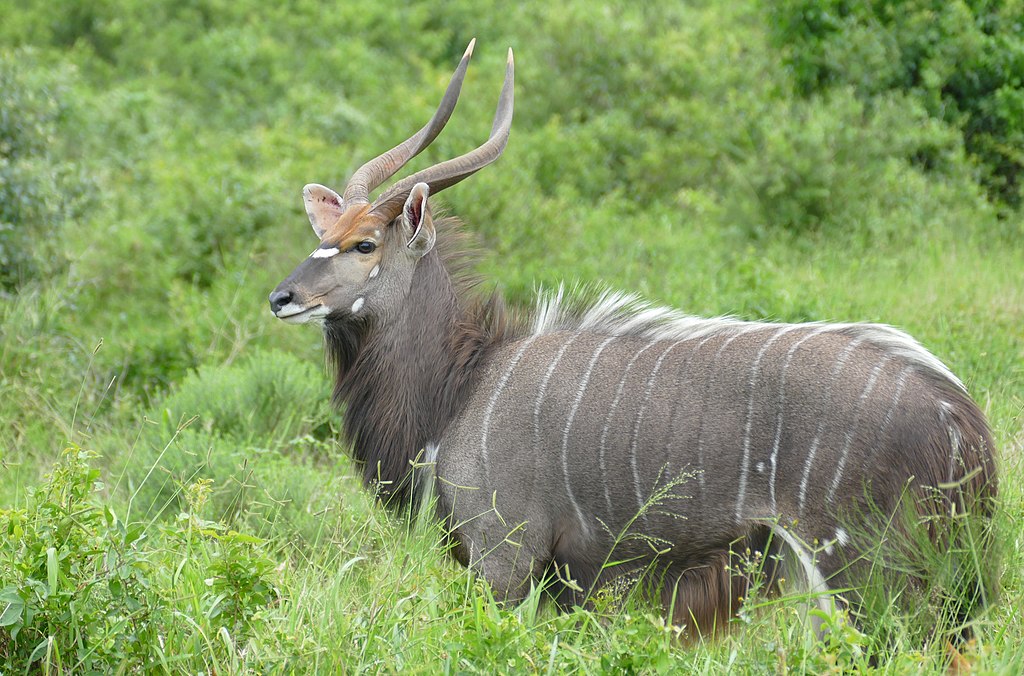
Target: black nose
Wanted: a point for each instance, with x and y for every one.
(278, 299)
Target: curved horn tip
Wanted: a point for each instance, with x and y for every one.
(469, 49)
(510, 59)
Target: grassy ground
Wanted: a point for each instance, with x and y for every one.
(204, 516)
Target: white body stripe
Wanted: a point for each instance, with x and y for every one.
(827, 398)
(704, 402)
(852, 430)
(541, 392)
(945, 410)
(675, 408)
(754, 371)
(430, 457)
(901, 382)
(648, 387)
(494, 400)
(608, 420)
(568, 426)
(773, 460)
(425, 473)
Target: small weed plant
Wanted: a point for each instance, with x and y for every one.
(86, 592)
(77, 589)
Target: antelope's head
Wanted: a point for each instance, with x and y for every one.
(368, 251)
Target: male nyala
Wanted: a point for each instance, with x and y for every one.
(608, 430)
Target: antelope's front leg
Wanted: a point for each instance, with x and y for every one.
(510, 557)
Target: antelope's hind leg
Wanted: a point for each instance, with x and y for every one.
(704, 596)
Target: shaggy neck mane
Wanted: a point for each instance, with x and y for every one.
(403, 379)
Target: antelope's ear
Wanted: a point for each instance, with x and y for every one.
(417, 225)
(323, 206)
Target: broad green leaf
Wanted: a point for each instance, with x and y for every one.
(11, 607)
(51, 569)
(39, 651)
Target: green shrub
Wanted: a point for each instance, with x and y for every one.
(832, 162)
(237, 571)
(963, 60)
(40, 191)
(270, 396)
(77, 591)
(87, 592)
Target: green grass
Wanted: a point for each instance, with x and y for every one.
(151, 162)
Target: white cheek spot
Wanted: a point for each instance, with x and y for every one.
(325, 253)
(375, 271)
(358, 305)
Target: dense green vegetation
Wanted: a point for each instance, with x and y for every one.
(173, 494)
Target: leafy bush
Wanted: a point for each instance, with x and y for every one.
(209, 216)
(78, 590)
(40, 191)
(963, 60)
(832, 162)
(237, 571)
(86, 592)
(271, 396)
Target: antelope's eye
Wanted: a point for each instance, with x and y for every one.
(366, 247)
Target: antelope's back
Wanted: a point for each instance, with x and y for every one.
(689, 437)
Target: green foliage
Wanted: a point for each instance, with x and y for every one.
(831, 163)
(239, 583)
(78, 593)
(86, 592)
(39, 191)
(270, 396)
(791, 161)
(963, 61)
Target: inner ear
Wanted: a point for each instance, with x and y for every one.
(323, 206)
(416, 210)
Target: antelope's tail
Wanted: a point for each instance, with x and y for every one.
(961, 513)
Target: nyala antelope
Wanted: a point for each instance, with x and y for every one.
(556, 442)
